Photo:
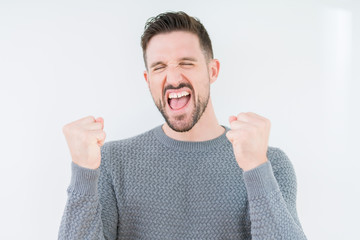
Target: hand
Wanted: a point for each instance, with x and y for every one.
(249, 136)
(84, 138)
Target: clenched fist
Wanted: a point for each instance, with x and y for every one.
(84, 138)
(249, 136)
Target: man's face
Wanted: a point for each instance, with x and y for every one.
(179, 77)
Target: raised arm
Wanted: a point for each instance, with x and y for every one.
(271, 189)
(90, 211)
(271, 185)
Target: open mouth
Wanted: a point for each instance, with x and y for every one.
(178, 100)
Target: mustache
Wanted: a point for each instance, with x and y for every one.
(181, 85)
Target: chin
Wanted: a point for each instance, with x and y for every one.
(180, 125)
(181, 129)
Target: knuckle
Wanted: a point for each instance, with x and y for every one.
(268, 122)
(90, 117)
(65, 128)
(240, 114)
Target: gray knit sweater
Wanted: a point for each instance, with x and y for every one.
(154, 187)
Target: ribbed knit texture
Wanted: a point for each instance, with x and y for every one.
(154, 187)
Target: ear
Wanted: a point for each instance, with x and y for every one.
(146, 76)
(214, 68)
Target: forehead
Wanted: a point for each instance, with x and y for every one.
(173, 45)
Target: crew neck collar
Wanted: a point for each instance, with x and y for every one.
(188, 145)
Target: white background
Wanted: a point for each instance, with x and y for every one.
(294, 62)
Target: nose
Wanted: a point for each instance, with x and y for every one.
(174, 75)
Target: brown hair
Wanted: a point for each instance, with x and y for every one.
(176, 21)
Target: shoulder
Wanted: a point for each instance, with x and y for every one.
(281, 164)
(277, 157)
(284, 173)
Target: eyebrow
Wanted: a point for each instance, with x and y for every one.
(188, 59)
(181, 59)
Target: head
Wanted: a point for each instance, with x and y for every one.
(179, 67)
(176, 21)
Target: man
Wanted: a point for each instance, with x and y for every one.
(190, 178)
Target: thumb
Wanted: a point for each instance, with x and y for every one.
(232, 118)
(100, 120)
(230, 136)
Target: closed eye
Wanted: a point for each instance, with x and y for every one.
(158, 67)
(186, 64)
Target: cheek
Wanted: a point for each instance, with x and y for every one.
(202, 83)
(155, 88)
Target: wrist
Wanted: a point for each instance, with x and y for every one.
(251, 164)
(83, 180)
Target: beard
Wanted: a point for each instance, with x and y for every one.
(181, 123)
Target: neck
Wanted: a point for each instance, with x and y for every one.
(206, 128)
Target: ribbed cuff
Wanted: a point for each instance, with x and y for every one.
(260, 181)
(83, 180)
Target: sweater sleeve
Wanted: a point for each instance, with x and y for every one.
(90, 211)
(271, 189)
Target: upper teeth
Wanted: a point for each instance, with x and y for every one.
(178, 95)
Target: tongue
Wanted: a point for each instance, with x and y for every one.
(177, 103)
